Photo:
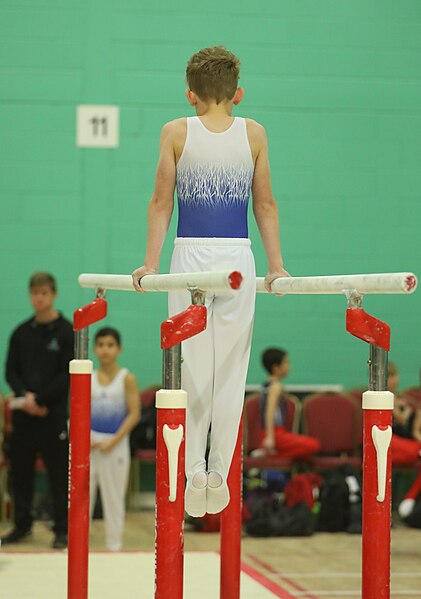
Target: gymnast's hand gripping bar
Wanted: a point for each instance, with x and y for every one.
(399, 282)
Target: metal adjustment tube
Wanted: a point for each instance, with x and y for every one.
(171, 367)
(82, 344)
(377, 368)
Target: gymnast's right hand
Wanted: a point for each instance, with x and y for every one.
(139, 273)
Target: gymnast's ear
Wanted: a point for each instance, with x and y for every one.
(239, 95)
(191, 97)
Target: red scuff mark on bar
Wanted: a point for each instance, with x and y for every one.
(89, 314)
(235, 279)
(410, 283)
(368, 328)
(182, 326)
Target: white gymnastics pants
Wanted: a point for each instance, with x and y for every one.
(110, 470)
(215, 362)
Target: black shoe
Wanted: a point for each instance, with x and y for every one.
(60, 541)
(15, 536)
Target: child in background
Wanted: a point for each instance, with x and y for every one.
(115, 411)
(274, 436)
(406, 438)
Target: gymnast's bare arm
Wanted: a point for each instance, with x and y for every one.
(161, 205)
(265, 208)
(274, 395)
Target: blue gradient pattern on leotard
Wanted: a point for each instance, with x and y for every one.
(213, 200)
(107, 415)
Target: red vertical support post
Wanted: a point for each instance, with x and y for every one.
(231, 527)
(171, 402)
(79, 451)
(79, 456)
(377, 480)
(169, 535)
(377, 468)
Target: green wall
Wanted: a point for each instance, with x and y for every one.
(337, 84)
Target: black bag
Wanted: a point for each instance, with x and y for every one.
(143, 436)
(340, 501)
(274, 519)
(295, 521)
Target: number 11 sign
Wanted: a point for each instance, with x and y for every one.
(97, 126)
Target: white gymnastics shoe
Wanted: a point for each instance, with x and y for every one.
(195, 495)
(217, 493)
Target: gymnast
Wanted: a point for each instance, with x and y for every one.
(214, 160)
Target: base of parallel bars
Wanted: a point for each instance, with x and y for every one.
(79, 458)
(169, 514)
(231, 527)
(377, 480)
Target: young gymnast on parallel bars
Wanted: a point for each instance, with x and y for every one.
(214, 160)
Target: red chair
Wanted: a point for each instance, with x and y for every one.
(293, 413)
(147, 399)
(356, 393)
(414, 394)
(141, 456)
(147, 396)
(331, 418)
(356, 396)
(252, 424)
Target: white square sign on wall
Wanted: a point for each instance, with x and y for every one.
(97, 126)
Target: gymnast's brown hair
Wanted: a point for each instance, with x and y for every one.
(213, 74)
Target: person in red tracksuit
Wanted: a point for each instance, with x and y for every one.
(406, 438)
(274, 436)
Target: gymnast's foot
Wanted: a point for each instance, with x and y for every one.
(217, 495)
(195, 496)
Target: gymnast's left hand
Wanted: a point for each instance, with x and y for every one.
(139, 273)
(271, 276)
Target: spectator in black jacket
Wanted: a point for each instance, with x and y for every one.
(37, 371)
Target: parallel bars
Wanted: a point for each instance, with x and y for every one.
(377, 406)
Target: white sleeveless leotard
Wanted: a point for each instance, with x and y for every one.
(108, 406)
(214, 177)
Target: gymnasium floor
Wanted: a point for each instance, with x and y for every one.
(319, 567)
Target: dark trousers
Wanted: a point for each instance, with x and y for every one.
(30, 437)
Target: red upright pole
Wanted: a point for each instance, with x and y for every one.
(377, 498)
(231, 527)
(171, 402)
(377, 468)
(80, 432)
(79, 450)
(169, 539)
